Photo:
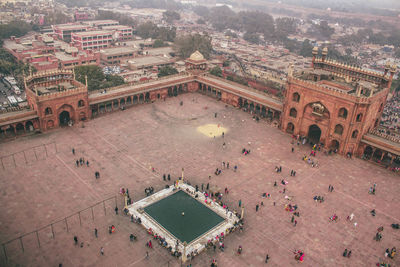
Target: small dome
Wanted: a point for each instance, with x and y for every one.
(196, 56)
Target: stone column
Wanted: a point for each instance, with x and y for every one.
(184, 258)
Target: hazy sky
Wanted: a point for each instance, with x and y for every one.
(390, 4)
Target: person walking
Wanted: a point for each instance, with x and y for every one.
(147, 254)
(116, 210)
(76, 240)
(240, 202)
(292, 149)
(235, 168)
(295, 222)
(102, 251)
(266, 258)
(164, 178)
(257, 207)
(95, 232)
(227, 165)
(73, 151)
(292, 219)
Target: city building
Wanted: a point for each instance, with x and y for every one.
(57, 98)
(120, 32)
(116, 55)
(102, 23)
(149, 62)
(335, 104)
(64, 31)
(43, 52)
(92, 39)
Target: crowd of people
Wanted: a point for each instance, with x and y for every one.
(391, 114)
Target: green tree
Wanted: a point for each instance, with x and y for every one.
(151, 30)
(202, 11)
(397, 53)
(216, 71)
(159, 43)
(170, 16)
(96, 78)
(200, 21)
(15, 28)
(9, 65)
(121, 18)
(349, 51)
(306, 48)
(253, 38)
(284, 27)
(167, 70)
(187, 44)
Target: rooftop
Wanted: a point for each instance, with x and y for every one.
(70, 26)
(117, 50)
(88, 33)
(148, 60)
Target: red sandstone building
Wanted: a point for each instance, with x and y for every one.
(92, 39)
(331, 103)
(335, 104)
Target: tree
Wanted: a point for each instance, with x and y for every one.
(285, 26)
(96, 78)
(9, 65)
(167, 70)
(253, 38)
(151, 30)
(187, 44)
(121, 18)
(200, 21)
(15, 28)
(159, 43)
(170, 16)
(306, 48)
(397, 53)
(201, 11)
(216, 71)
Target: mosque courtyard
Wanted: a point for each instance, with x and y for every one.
(45, 194)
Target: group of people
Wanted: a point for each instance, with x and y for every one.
(390, 253)
(81, 162)
(319, 199)
(165, 177)
(245, 151)
(149, 190)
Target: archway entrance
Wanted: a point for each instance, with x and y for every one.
(64, 118)
(335, 145)
(314, 134)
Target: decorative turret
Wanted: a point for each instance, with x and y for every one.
(314, 53)
(387, 67)
(393, 69)
(196, 62)
(324, 53)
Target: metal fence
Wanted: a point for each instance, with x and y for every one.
(60, 224)
(26, 156)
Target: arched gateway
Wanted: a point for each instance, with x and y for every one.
(314, 133)
(64, 118)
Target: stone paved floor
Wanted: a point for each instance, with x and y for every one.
(124, 146)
